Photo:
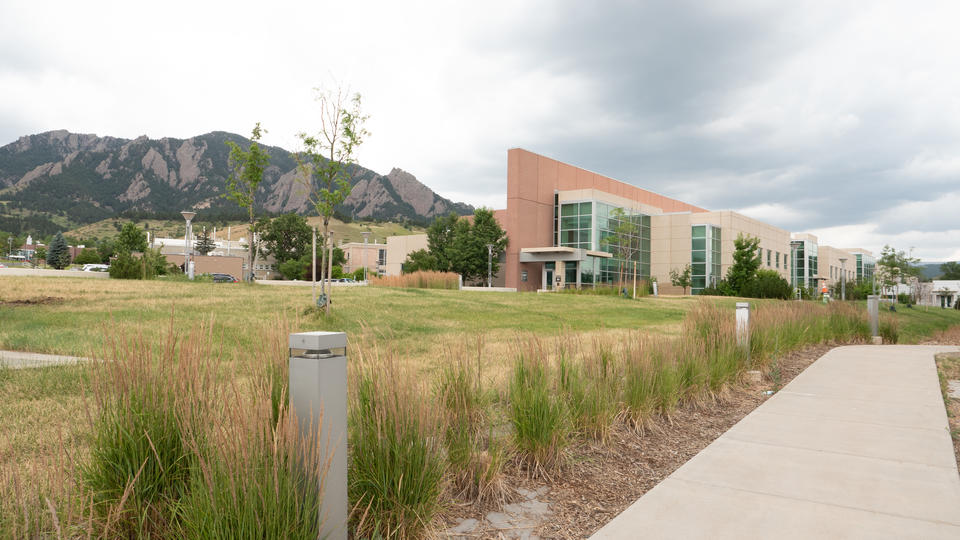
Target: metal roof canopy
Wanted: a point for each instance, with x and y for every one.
(558, 253)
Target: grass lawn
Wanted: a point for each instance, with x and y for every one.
(70, 315)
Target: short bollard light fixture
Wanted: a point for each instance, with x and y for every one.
(873, 313)
(318, 394)
(743, 326)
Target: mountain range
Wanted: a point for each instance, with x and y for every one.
(59, 178)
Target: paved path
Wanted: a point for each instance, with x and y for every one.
(856, 446)
(17, 360)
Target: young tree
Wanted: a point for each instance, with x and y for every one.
(246, 173)
(327, 158)
(746, 261)
(205, 243)
(681, 278)
(895, 266)
(131, 238)
(286, 237)
(625, 240)
(58, 256)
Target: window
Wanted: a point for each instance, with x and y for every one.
(778, 259)
(523, 275)
(768, 258)
(704, 257)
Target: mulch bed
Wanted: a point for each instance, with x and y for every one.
(603, 480)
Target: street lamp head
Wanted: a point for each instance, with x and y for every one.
(188, 215)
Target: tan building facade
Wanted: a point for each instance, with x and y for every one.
(373, 255)
(399, 248)
(211, 264)
(673, 246)
(832, 269)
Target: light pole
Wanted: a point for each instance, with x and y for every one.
(366, 237)
(9, 246)
(489, 266)
(187, 247)
(843, 278)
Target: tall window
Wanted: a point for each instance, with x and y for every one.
(704, 257)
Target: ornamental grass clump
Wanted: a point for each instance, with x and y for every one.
(538, 413)
(422, 279)
(148, 402)
(397, 466)
(257, 478)
(475, 458)
(591, 388)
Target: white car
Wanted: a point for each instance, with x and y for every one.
(96, 268)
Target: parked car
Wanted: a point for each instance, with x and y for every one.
(224, 278)
(2, 265)
(96, 268)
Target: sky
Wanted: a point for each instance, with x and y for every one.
(840, 119)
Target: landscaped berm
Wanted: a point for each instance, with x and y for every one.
(462, 404)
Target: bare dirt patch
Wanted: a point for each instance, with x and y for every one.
(601, 481)
(33, 301)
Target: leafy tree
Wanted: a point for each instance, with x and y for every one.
(486, 230)
(419, 260)
(746, 261)
(87, 256)
(246, 173)
(327, 157)
(58, 256)
(439, 239)
(106, 249)
(767, 284)
(681, 278)
(294, 268)
(131, 238)
(205, 243)
(458, 246)
(895, 266)
(951, 270)
(287, 237)
(39, 254)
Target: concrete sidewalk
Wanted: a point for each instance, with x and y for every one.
(856, 446)
(19, 360)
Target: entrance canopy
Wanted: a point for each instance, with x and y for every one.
(559, 253)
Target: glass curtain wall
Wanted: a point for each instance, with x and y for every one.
(805, 265)
(865, 267)
(594, 225)
(704, 257)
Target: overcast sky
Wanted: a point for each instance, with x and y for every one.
(836, 118)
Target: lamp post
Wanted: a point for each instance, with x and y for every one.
(843, 278)
(366, 237)
(187, 242)
(489, 266)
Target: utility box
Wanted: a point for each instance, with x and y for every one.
(318, 388)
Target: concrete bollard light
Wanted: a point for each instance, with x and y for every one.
(873, 313)
(743, 327)
(318, 387)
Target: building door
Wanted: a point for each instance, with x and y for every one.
(549, 279)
